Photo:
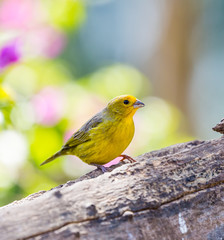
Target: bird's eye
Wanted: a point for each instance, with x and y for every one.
(126, 102)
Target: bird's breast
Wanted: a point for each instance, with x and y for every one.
(107, 141)
(123, 133)
(116, 139)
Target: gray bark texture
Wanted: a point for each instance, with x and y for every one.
(173, 193)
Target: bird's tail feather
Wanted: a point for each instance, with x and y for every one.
(56, 155)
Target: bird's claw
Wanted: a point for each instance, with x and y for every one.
(130, 159)
(104, 169)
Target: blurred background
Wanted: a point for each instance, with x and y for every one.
(61, 61)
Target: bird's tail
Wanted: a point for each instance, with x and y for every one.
(56, 155)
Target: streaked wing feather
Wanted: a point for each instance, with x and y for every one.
(82, 135)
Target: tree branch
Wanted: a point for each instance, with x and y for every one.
(173, 193)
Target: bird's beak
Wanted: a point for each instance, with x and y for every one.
(138, 104)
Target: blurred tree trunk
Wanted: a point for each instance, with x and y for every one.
(172, 61)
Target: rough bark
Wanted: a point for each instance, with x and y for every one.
(173, 193)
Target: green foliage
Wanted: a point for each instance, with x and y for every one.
(42, 104)
(65, 14)
(119, 79)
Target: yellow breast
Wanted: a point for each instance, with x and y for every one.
(108, 141)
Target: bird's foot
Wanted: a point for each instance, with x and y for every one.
(130, 159)
(104, 169)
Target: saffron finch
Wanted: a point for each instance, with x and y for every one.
(106, 135)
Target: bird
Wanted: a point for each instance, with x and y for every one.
(105, 136)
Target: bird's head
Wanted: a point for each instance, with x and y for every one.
(124, 105)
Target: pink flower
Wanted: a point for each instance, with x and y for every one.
(48, 106)
(46, 41)
(28, 18)
(19, 13)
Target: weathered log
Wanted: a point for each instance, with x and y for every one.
(219, 127)
(173, 193)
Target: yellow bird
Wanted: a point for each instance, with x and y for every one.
(106, 135)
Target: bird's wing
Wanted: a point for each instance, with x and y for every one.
(83, 135)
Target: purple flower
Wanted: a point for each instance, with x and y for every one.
(9, 54)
